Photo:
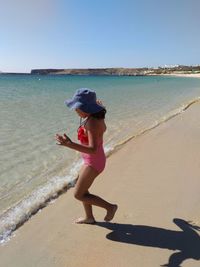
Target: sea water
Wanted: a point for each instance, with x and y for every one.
(33, 169)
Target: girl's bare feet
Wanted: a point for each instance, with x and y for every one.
(110, 213)
(85, 221)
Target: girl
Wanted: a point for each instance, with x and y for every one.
(90, 135)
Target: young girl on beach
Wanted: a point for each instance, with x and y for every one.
(90, 136)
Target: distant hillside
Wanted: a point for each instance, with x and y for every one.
(119, 71)
(98, 71)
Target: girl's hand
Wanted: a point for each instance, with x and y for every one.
(63, 140)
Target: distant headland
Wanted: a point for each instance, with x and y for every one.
(178, 69)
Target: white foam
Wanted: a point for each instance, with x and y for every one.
(23, 210)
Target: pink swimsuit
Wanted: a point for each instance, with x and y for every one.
(97, 160)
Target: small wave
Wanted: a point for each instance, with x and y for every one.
(163, 119)
(17, 215)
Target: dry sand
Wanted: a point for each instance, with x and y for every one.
(155, 180)
(188, 75)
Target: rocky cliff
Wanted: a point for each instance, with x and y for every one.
(102, 71)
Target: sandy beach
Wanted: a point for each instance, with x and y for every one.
(189, 75)
(154, 179)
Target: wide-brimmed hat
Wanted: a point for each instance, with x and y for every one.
(84, 99)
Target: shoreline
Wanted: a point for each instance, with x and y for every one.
(145, 190)
(168, 116)
(67, 185)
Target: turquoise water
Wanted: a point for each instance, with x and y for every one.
(33, 168)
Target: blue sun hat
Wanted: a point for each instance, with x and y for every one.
(85, 99)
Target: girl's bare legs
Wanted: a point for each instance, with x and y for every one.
(88, 209)
(85, 180)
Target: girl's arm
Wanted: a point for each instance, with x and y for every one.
(91, 148)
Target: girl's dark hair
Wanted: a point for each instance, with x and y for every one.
(99, 115)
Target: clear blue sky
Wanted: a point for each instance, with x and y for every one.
(95, 34)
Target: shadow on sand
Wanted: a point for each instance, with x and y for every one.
(187, 241)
